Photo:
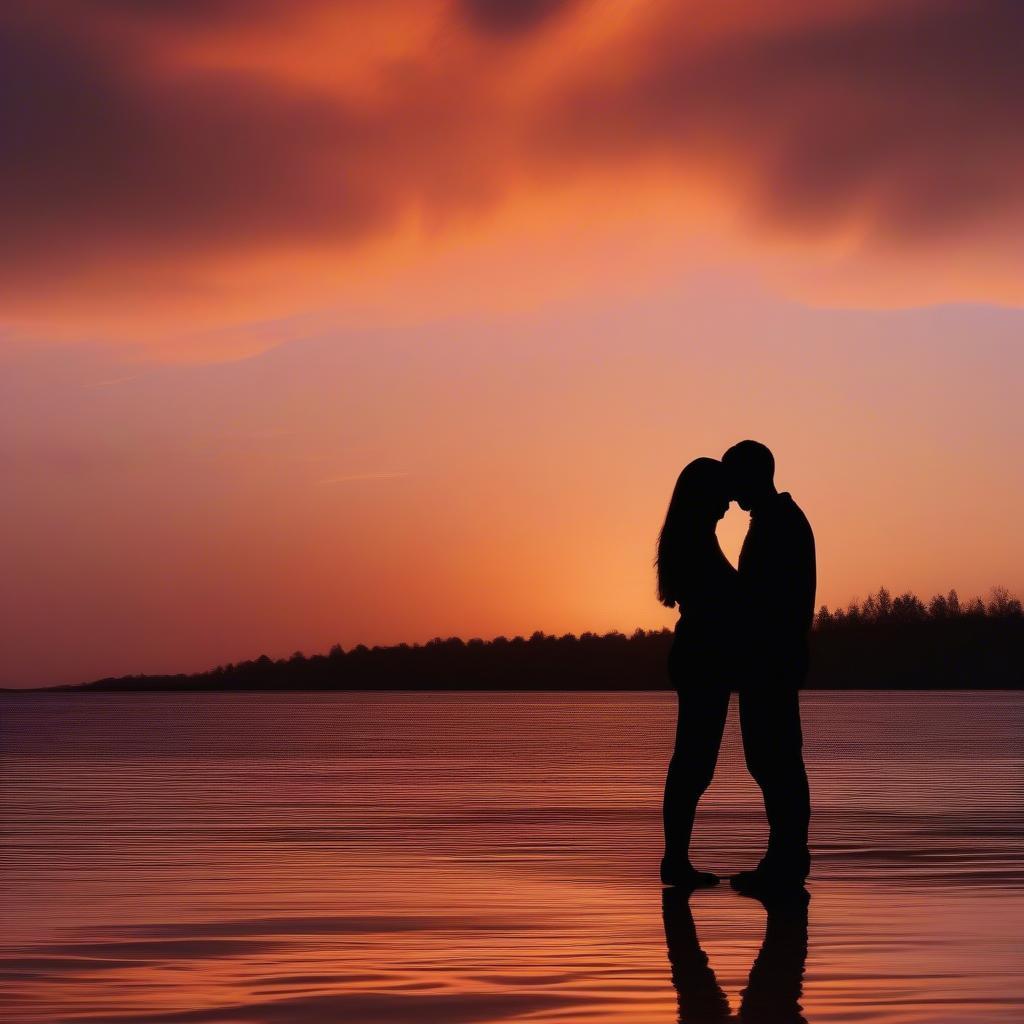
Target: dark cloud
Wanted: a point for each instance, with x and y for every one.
(96, 142)
(501, 17)
(189, 12)
(120, 152)
(105, 156)
(904, 112)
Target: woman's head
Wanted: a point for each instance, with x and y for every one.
(699, 500)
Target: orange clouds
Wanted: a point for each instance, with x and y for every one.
(154, 149)
(903, 114)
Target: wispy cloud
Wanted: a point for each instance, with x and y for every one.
(355, 477)
(113, 380)
(138, 173)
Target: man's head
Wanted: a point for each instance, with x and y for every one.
(750, 473)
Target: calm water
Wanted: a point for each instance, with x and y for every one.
(263, 859)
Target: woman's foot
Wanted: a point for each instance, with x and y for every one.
(683, 875)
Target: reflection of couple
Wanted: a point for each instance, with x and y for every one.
(739, 630)
(775, 984)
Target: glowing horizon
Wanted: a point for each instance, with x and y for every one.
(324, 324)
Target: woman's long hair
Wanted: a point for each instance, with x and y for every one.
(695, 498)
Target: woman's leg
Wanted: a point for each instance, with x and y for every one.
(702, 713)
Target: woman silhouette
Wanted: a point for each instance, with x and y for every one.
(695, 576)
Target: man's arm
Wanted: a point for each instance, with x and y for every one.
(796, 576)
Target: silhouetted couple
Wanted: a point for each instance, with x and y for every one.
(739, 630)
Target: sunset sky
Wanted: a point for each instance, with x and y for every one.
(326, 321)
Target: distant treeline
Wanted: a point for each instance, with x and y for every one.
(884, 642)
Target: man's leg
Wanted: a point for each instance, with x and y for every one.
(773, 748)
(776, 980)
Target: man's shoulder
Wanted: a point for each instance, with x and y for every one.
(787, 505)
(792, 512)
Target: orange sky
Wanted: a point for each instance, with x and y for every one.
(364, 323)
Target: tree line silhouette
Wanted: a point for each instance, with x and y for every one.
(883, 642)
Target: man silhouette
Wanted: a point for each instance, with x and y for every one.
(777, 579)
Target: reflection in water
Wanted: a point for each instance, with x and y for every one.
(454, 857)
(775, 984)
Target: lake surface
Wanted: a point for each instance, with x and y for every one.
(463, 857)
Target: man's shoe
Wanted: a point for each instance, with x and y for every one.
(772, 876)
(769, 881)
(683, 875)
